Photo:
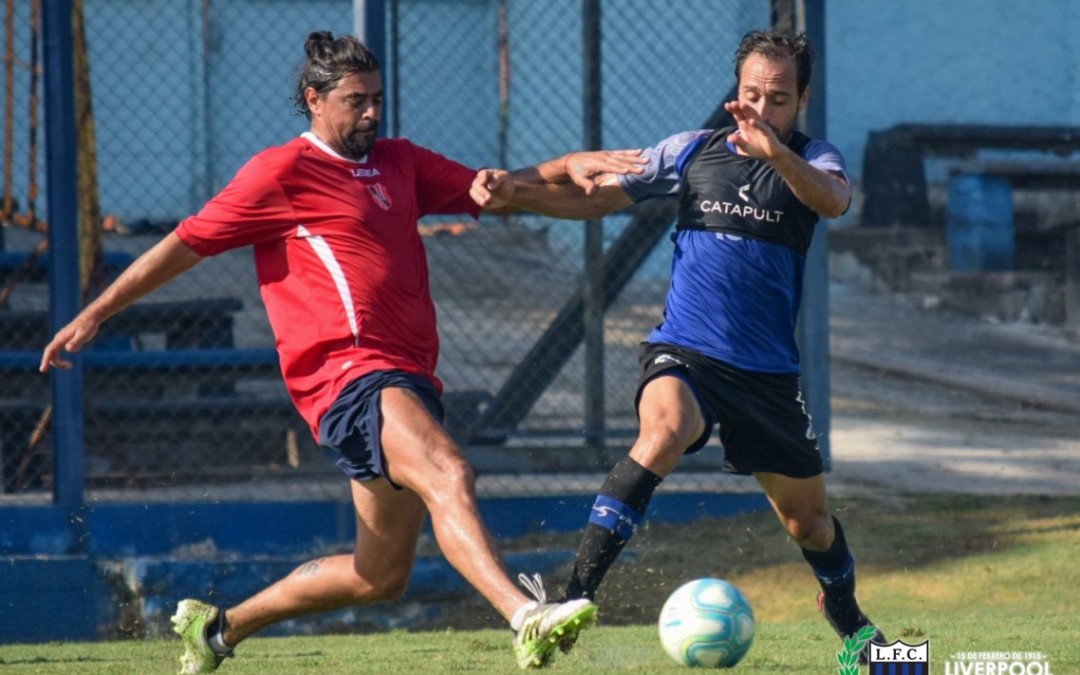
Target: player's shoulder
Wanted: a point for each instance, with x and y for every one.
(682, 139)
(278, 159)
(812, 147)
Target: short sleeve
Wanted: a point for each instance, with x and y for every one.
(251, 209)
(442, 185)
(824, 156)
(662, 175)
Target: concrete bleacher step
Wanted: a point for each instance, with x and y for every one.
(890, 255)
(1030, 296)
(915, 261)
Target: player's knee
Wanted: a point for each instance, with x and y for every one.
(811, 532)
(384, 588)
(664, 440)
(392, 588)
(453, 471)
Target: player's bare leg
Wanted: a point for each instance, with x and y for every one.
(670, 421)
(421, 456)
(800, 505)
(388, 525)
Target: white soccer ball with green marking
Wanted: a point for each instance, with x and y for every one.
(707, 623)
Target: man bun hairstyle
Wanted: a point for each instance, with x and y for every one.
(777, 47)
(328, 60)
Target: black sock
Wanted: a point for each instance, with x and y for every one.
(618, 510)
(835, 572)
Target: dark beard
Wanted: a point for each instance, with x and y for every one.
(358, 144)
(786, 136)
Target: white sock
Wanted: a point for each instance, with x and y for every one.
(519, 615)
(217, 641)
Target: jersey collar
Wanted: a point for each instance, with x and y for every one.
(317, 142)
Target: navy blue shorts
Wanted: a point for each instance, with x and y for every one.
(353, 424)
(763, 422)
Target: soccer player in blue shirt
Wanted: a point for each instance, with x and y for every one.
(749, 197)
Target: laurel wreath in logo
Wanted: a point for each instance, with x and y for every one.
(848, 657)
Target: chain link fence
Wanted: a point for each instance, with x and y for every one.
(183, 395)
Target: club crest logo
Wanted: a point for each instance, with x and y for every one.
(380, 195)
(900, 658)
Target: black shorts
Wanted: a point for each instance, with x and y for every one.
(352, 427)
(763, 422)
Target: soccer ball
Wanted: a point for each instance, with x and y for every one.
(707, 623)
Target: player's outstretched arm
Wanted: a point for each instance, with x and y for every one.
(577, 186)
(583, 168)
(167, 259)
(497, 191)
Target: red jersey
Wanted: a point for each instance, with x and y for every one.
(340, 263)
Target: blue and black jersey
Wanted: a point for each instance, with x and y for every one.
(740, 247)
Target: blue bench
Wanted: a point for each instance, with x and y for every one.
(240, 361)
(894, 173)
(153, 374)
(199, 324)
(113, 263)
(149, 440)
(194, 383)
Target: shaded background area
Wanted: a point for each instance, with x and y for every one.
(185, 387)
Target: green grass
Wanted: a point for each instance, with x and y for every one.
(971, 574)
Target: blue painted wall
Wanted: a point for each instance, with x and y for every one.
(177, 110)
(151, 556)
(963, 61)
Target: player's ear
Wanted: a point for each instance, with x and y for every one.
(804, 99)
(312, 98)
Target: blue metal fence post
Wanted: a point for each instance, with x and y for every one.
(64, 302)
(369, 24)
(593, 273)
(814, 326)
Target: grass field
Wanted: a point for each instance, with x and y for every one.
(970, 574)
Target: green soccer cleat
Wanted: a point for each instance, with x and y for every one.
(190, 622)
(548, 625)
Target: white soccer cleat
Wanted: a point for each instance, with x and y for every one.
(549, 624)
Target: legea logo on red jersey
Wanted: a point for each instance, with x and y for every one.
(380, 195)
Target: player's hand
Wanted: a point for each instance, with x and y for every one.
(755, 138)
(492, 188)
(583, 168)
(71, 339)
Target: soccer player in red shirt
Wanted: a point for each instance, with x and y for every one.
(332, 216)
